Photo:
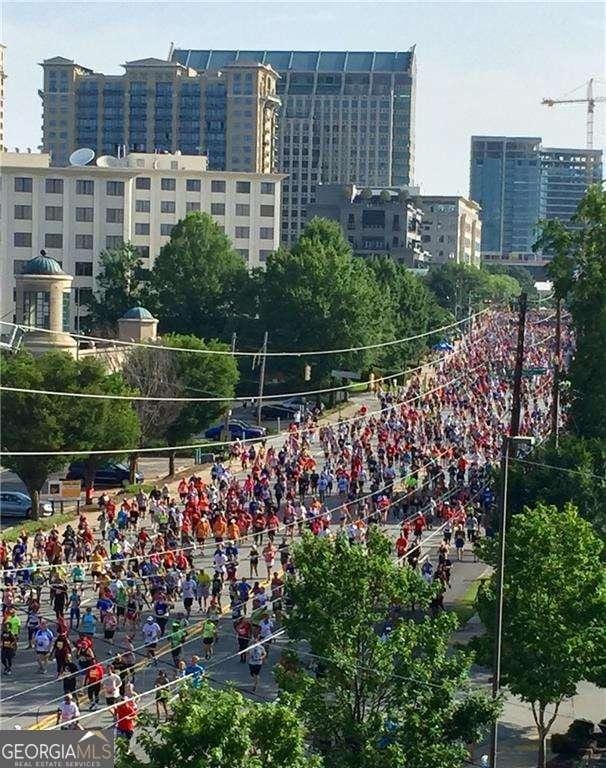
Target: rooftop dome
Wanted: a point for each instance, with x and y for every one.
(42, 265)
(137, 313)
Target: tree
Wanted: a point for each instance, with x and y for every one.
(578, 271)
(463, 287)
(212, 728)
(46, 422)
(319, 296)
(162, 373)
(119, 287)
(523, 276)
(378, 698)
(555, 604)
(196, 279)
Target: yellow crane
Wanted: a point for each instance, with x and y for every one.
(590, 100)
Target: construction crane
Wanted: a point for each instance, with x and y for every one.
(590, 100)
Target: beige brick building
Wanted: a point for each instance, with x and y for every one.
(452, 230)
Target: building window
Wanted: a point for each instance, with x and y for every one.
(167, 206)
(114, 188)
(267, 210)
(193, 185)
(19, 266)
(267, 187)
(168, 185)
(143, 251)
(242, 233)
(142, 206)
(83, 296)
(84, 242)
(22, 239)
(114, 215)
(53, 240)
(166, 229)
(84, 214)
(84, 269)
(242, 209)
(266, 233)
(23, 212)
(192, 205)
(264, 254)
(66, 310)
(23, 184)
(143, 182)
(53, 213)
(217, 209)
(85, 187)
(54, 186)
(113, 241)
(216, 185)
(243, 252)
(36, 308)
(141, 228)
(243, 187)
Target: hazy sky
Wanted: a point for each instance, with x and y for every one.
(483, 67)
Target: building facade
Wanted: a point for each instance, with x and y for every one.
(518, 182)
(565, 176)
(452, 230)
(346, 117)
(2, 80)
(230, 114)
(74, 213)
(376, 222)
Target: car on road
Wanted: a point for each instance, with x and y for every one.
(278, 411)
(236, 428)
(108, 475)
(17, 504)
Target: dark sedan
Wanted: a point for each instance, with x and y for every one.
(109, 474)
(237, 429)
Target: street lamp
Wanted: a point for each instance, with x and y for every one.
(510, 444)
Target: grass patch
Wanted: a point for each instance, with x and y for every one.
(466, 606)
(31, 526)
(136, 487)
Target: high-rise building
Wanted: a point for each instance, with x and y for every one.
(565, 176)
(518, 182)
(75, 212)
(505, 179)
(452, 230)
(2, 79)
(346, 117)
(163, 106)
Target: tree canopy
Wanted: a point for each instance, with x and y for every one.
(460, 287)
(387, 686)
(555, 603)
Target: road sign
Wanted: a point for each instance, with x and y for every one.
(64, 490)
(346, 375)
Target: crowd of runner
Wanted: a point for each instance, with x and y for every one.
(164, 567)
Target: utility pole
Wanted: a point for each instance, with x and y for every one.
(262, 379)
(233, 342)
(509, 443)
(555, 396)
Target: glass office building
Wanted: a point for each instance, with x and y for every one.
(565, 176)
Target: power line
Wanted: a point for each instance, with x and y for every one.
(561, 469)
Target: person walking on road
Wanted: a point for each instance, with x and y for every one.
(256, 656)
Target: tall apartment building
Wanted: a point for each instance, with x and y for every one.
(346, 117)
(452, 230)
(517, 182)
(156, 105)
(74, 213)
(376, 222)
(2, 79)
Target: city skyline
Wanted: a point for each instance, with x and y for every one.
(492, 86)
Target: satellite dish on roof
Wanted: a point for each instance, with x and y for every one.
(81, 156)
(108, 161)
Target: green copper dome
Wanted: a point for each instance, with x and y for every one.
(43, 265)
(137, 313)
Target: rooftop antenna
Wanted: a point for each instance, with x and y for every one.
(81, 156)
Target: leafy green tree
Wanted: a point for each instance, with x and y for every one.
(319, 296)
(196, 280)
(162, 373)
(523, 276)
(555, 607)
(463, 287)
(578, 271)
(212, 728)
(119, 286)
(377, 698)
(46, 422)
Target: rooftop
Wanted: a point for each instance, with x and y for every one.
(42, 265)
(137, 313)
(300, 61)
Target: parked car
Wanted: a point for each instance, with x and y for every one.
(295, 403)
(278, 411)
(109, 474)
(237, 428)
(17, 504)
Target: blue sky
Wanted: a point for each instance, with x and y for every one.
(482, 67)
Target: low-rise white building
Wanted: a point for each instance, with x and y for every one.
(76, 212)
(452, 230)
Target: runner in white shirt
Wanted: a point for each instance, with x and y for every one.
(111, 686)
(151, 634)
(67, 712)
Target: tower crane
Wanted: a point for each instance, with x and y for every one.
(590, 100)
